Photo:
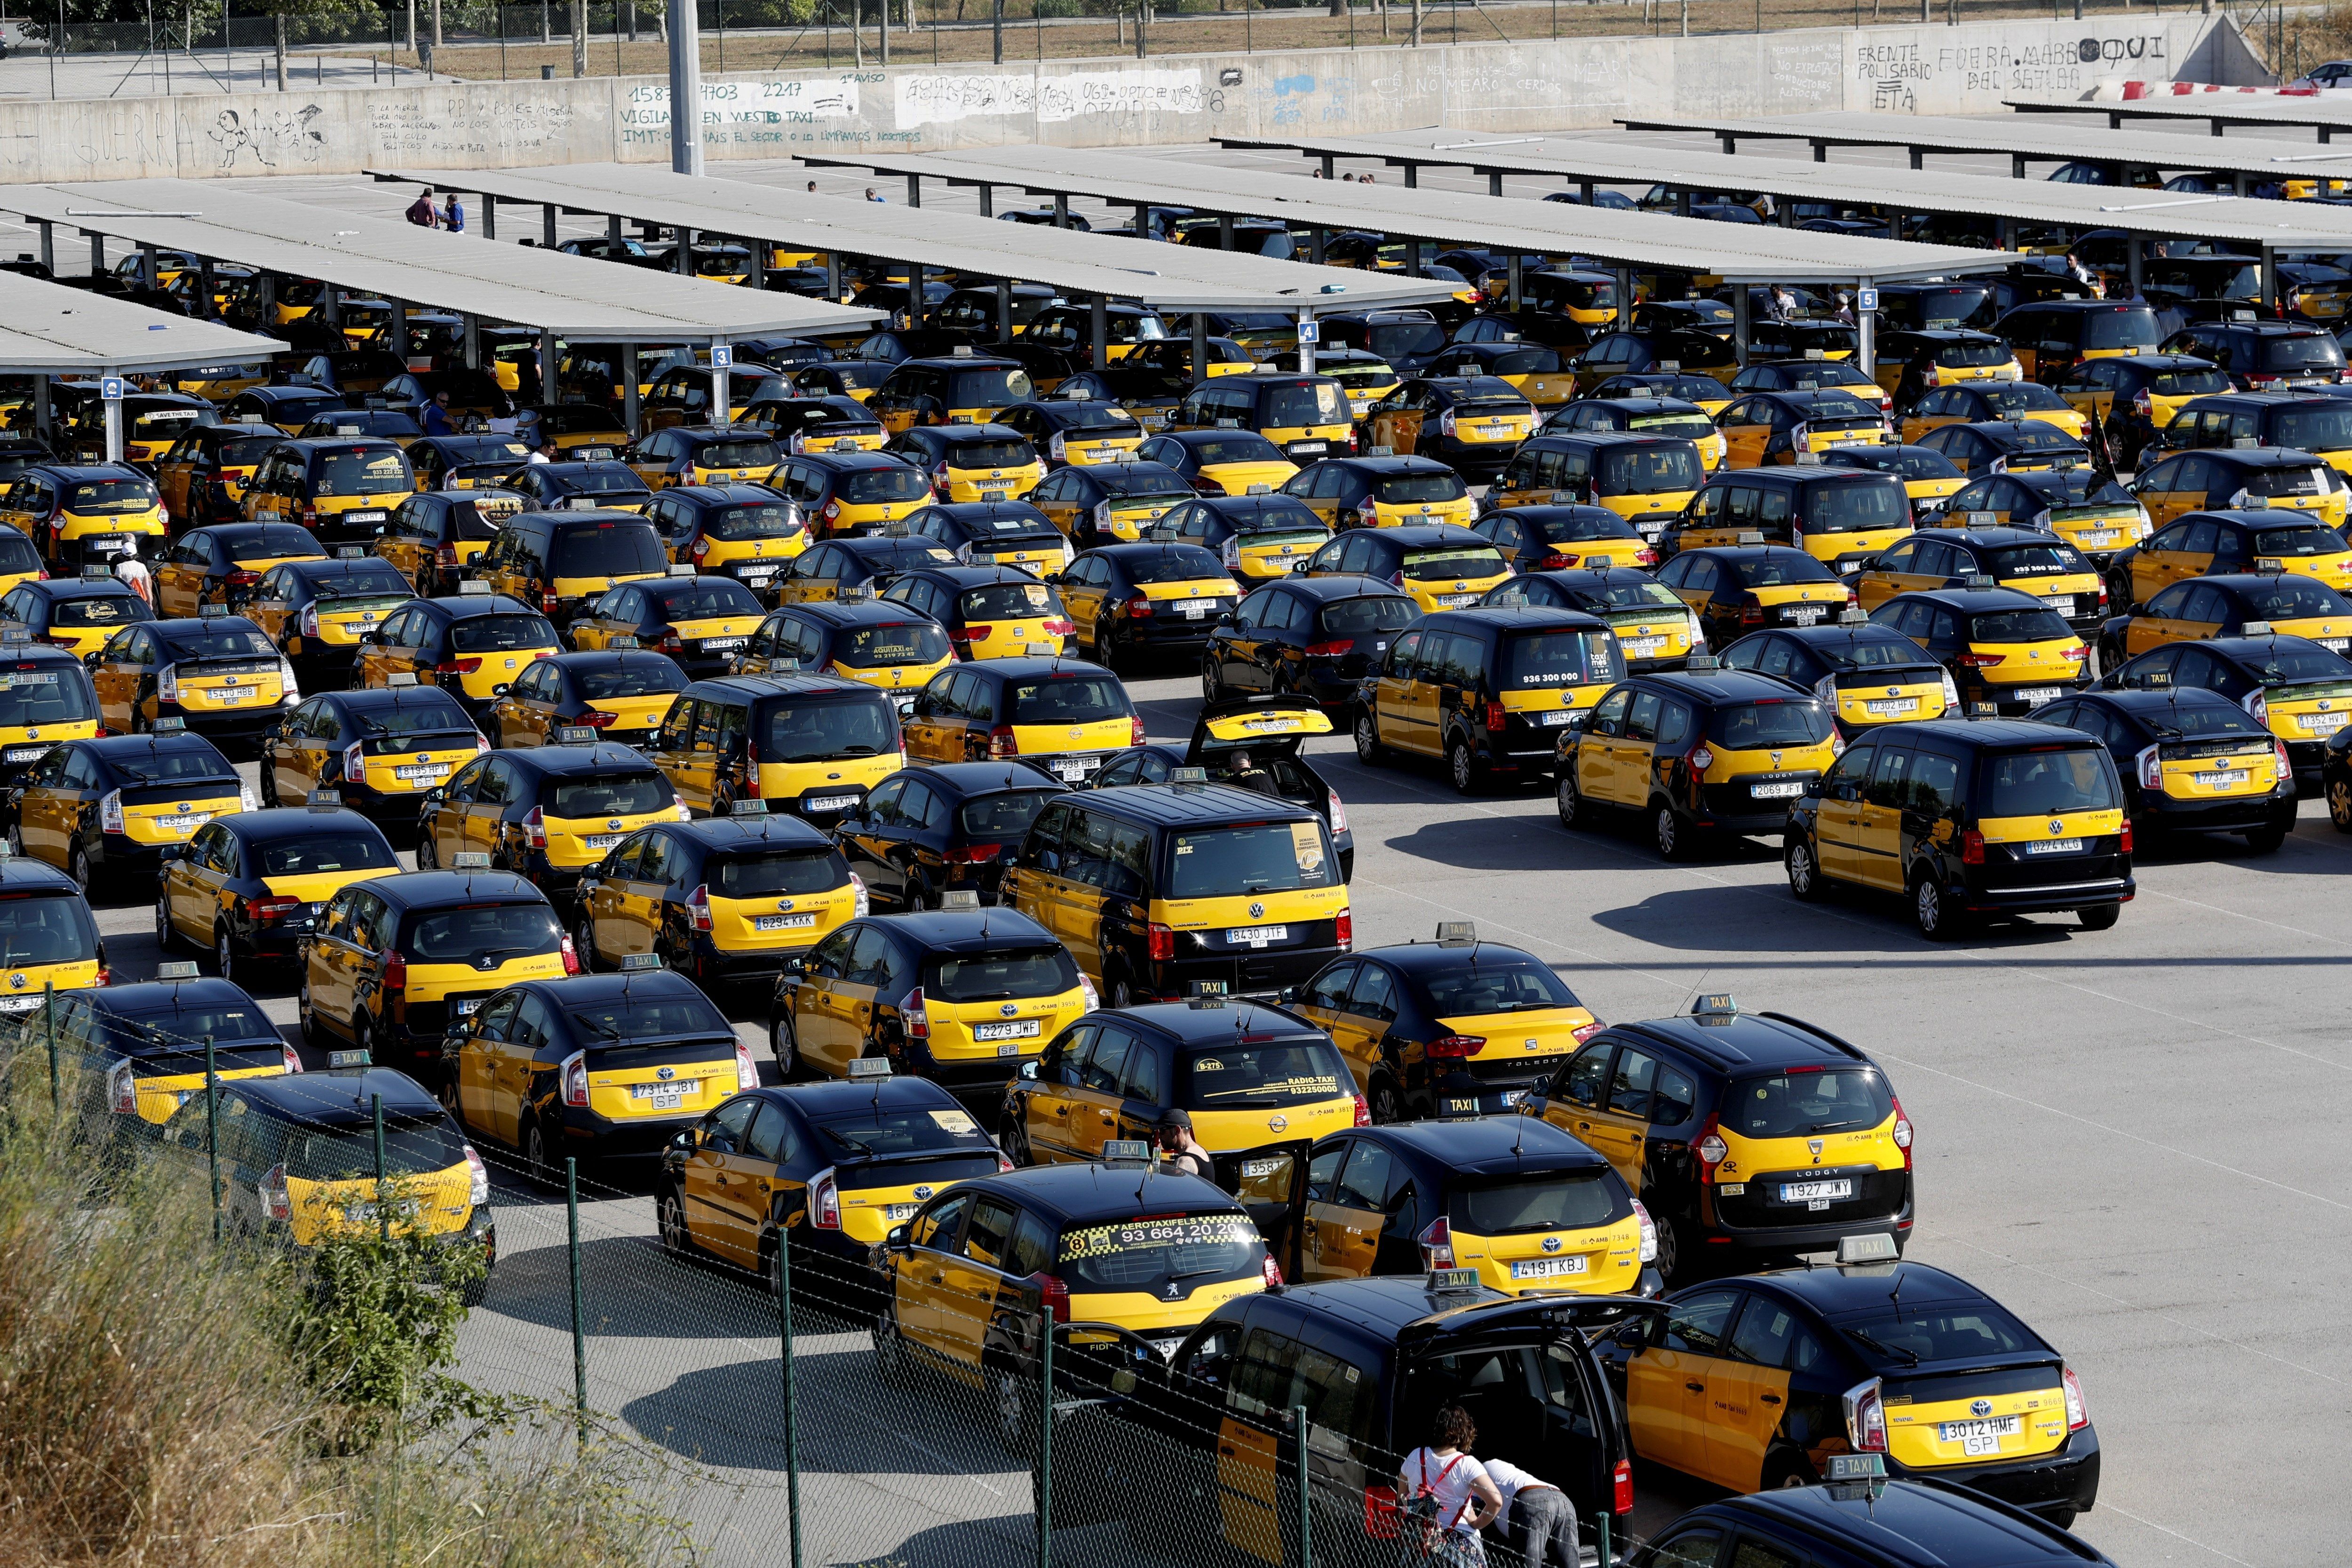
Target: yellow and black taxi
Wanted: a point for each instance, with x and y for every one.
(1522, 1205)
(315, 611)
(1656, 630)
(1743, 1135)
(2135, 398)
(1706, 393)
(223, 564)
(1771, 428)
(466, 462)
(987, 611)
(812, 745)
(1065, 716)
(1536, 371)
(1646, 479)
(801, 424)
(219, 675)
(1842, 518)
(1064, 430)
(620, 693)
(2223, 543)
(850, 380)
(202, 477)
(1927, 477)
(2304, 422)
(880, 643)
(1155, 886)
(392, 962)
(1993, 402)
(1221, 462)
(963, 389)
(248, 886)
(1007, 532)
(1970, 820)
(1410, 339)
(2025, 558)
(2300, 690)
(46, 697)
(1441, 566)
(2227, 606)
(2220, 480)
(825, 1169)
(1701, 753)
(2052, 337)
(2008, 651)
(81, 516)
(1913, 363)
(287, 407)
(601, 1067)
(702, 622)
(298, 1155)
(1253, 741)
(49, 938)
(584, 432)
(341, 489)
(1915, 1370)
(1739, 588)
(107, 807)
(1561, 538)
(703, 455)
(1109, 503)
(1128, 1252)
(1672, 417)
(563, 561)
(434, 539)
(549, 813)
(1487, 690)
(76, 614)
(1250, 1076)
(2191, 760)
(575, 486)
(973, 462)
(152, 422)
(1869, 674)
(1308, 416)
(2082, 506)
(472, 645)
(1815, 374)
(844, 570)
(380, 749)
(744, 531)
(1472, 423)
(2001, 446)
(1453, 1027)
(392, 424)
(1311, 636)
(1131, 601)
(144, 1044)
(1382, 490)
(1260, 537)
(947, 828)
(2263, 356)
(852, 492)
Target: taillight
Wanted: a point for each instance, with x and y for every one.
(1701, 757)
(1343, 928)
(2078, 1410)
(698, 908)
(750, 777)
(571, 955)
(1270, 1271)
(701, 548)
(465, 666)
(167, 683)
(824, 1202)
(1136, 733)
(2125, 844)
(276, 1196)
(2151, 769)
(1364, 1112)
(1979, 660)
(911, 1013)
(1456, 1047)
(1584, 1032)
(549, 603)
(110, 811)
(747, 1072)
(1332, 649)
(1901, 1133)
(861, 904)
(972, 854)
(1496, 717)
(1620, 1497)
(2285, 763)
(1338, 811)
(1091, 997)
(1710, 1148)
(1971, 847)
(1649, 1231)
(1751, 614)
(1436, 1240)
(241, 579)
(446, 557)
(1062, 628)
(2142, 404)
(267, 910)
(1865, 1417)
(534, 828)
(1160, 943)
(395, 971)
(1556, 561)
(1368, 515)
(574, 1075)
(1138, 609)
(1003, 742)
(478, 1191)
(309, 623)
(123, 1090)
(1053, 1297)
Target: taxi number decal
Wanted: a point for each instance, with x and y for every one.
(1175, 1230)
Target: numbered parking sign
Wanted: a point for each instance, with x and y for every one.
(1310, 332)
(1866, 298)
(109, 388)
(722, 357)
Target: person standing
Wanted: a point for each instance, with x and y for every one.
(1448, 1497)
(1536, 1520)
(422, 212)
(132, 571)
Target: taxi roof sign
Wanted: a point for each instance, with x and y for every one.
(870, 1067)
(960, 898)
(1381, 452)
(855, 593)
(1815, 353)
(1876, 1247)
(1457, 933)
(1259, 491)
(97, 569)
(469, 860)
(621, 644)
(1126, 1151)
(2255, 630)
(470, 586)
(1671, 366)
(349, 552)
(325, 800)
(1749, 536)
(1716, 1005)
(1852, 617)
(1194, 776)
(576, 735)
(169, 726)
(631, 962)
(1983, 580)
(1979, 519)
(1857, 1468)
(1452, 1282)
(211, 612)
(678, 570)
(179, 969)
(747, 808)
(401, 682)
(1702, 663)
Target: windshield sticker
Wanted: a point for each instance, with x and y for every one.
(955, 1122)
(1170, 1230)
(1307, 843)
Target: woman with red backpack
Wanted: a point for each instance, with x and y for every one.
(1449, 1497)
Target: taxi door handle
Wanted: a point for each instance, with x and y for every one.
(1225, 1450)
(938, 1278)
(1770, 1398)
(1696, 1387)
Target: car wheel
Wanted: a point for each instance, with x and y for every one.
(583, 945)
(894, 1364)
(2339, 805)
(784, 1041)
(1804, 875)
(2267, 839)
(2101, 917)
(166, 939)
(1014, 1142)
(1674, 838)
(1670, 1252)
(1937, 921)
(225, 962)
(537, 1167)
(669, 1220)
(428, 859)
(1388, 1105)
(1017, 1412)
(2064, 1518)
(15, 841)
(77, 867)
(1566, 798)
(1369, 749)
(268, 781)
(1468, 777)
(364, 1039)
(1212, 685)
(1122, 994)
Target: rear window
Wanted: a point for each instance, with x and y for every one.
(647, 1019)
(174, 765)
(2019, 626)
(106, 497)
(1175, 564)
(359, 474)
(991, 454)
(1648, 470)
(2123, 329)
(188, 1026)
(1247, 446)
(1901, 1336)
(1434, 566)
(2291, 661)
(999, 386)
(1526, 362)
(501, 634)
(411, 718)
(1006, 602)
(195, 645)
(705, 600)
(756, 873)
(1973, 356)
(2035, 783)
(2034, 561)
(1519, 1205)
(745, 454)
(1165, 1250)
(2205, 719)
(1367, 617)
(1692, 425)
(1868, 652)
(1258, 858)
(1808, 1104)
(1393, 343)
(1857, 507)
(614, 795)
(1780, 569)
(885, 1131)
(2079, 486)
(1534, 661)
(2283, 481)
(411, 1148)
(163, 423)
(1244, 1076)
(1068, 699)
(634, 678)
(813, 731)
(2297, 542)
(323, 851)
(33, 696)
(1763, 725)
(1576, 526)
(608, 550)
(1403, 489)
(733, 523)
(2035, 436)
(893, 644)
(1319, 402)
(2292, 598)
(475, 932)
(48, 929)
(2011, 398)
(603, 478)
(2302, 351)
(2187, 382)
(1003, 818)
(1496, 985)
(1000, 974)
(379, 581)
(873, 486)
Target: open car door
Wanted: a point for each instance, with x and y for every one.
(1271, 1182)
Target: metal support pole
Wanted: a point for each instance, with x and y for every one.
(987, 201)
(1328, 162)
(1224, 231)
(1101, 314)
(212, 1134)
(49, 1028)
(146, 266)
(685, 253)
(114, 430)
(1494, 184)
(41, 420)
(546, 225)
(1624, 316)
(2133, 253)
(49, 247)
(1045, 1447)
(1061, 211)
(613, 231)
(473, 342)
(1584, 191)
(490, 215)
(548, 360)
(2009, 234)
(1821, 152)
(2238, 182)
(579, 1307)
(2017, 166)
(331, 304)
(1314, 245)
(205, 287)
(914, 190)
(915, 294)
(1517, 264)
(760, 250)
(1682, 203)
(383, 1205)
(1866, 352)
(629, 396)
(96, 255)
(1739, 314)
(1306, 1492)
(400, 329)
(832, 275)
(2270, 278)
(1918, 158)
(1200, 347)
(784, 1366)
(685, 88)
(1412, 176)
(1004, 310)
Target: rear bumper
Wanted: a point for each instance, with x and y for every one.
(2066, 1481)
(1250, 975)
(594, 1137)
(1979, 699)
(965, 1072)
(1817, 1237)
(233, 724)
(2163, 814)
(2049, 898)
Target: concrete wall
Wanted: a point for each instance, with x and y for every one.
(1911, 69)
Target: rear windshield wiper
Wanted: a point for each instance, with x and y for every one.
(1905, 1357)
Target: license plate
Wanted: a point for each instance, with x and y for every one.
(759, 579)
(468, 1008)
(1258, 1170)
(363, 516)
(1788, 791)
(2062, 603)
(782, 922)
(25, 1004)
(187, 824)
(2037, 694)
(2323, 723)
(1310, 447)
(2096, 537)
(420, 770)
(1888, 707)
(1553, 720)
(1071, 771)
(1025, 1029)
(1988, 1433)
(894, 1213)
(663, 1096)
(2335, 645)
(34, 754)
(1548, 1267)
(2222, 776)
(1642, 648)
(1802, 615)
(600, 840)
(1192, 612)
(837, 802)
(1457, 601)
(1650, 531)
(2054, 847)
(1806, 1191)
(1258, 936)
(721, 645)
(107, 541)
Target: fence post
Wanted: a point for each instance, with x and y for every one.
(211, 1135)
(792, 1430)
(1307, 1494)
(1605, 1539)
(49, 1027)
(382, 1209)
(579, 1317)
(1045, 1450)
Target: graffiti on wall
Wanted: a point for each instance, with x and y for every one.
(746, 111)
(264, 140)
(923, 99)
(2059, 61)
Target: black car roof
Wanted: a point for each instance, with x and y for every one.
(423, 890)
(1989, 734)
(17, 873)
(1216, 1023)
(769, 829)
(2261, 457)
(1974, 601)
(752, 688)
(588, 990)
(385, 699)
(1989, 538)
(962, 931)
(107, 748)
(2155, 705)
(1723, 685)
(465, 606)
(1343, 586)
(274, 822)
(1490, 1145)
(1069, 1192)
(152, 996)
(1175, 805)
(316, 1098)
(1919, 1524)
(83, 588)
(1833, 1291)
(730, 494)
(1003, 670)
(964, 780)
(1737, 1041)
(824, 1100)
(556, 762)
(1515, 618)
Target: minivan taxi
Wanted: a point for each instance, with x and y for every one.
(743, 532)
(343, 489)
(1381, 490)
(1770, 428)
(1487, 688)
(1308, 417)
(1441, 566)
(561, 562)
(842, 493)
(82, 516)
(1646, 479)
(46, 697)
(964, 389)
(1843, 518)
(809, 745)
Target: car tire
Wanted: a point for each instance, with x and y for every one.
(428, 859)
(2100, 917)
(1369, 749)
(1674, 839)
(2268, 839)
(2064, 1518)
(1015, 1140)
(894, 1360)
(1212, 685)
(1469, 777)
(224, 963)
(785, 1044)
(1567, 799)
(364, 1039)
(269, 783)
(77, 867)
(669, 1223)
(1670, 1250)
(1804, 870)
(15, 841)
(583, 945)
(1387, 1105)
(537, 1168)
(2339, 805)
(1932, 911)
(1119, 993)
(167, 941)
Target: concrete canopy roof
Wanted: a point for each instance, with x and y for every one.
(2020, 142)
(1168, 277)
(51, 330)
(575, 297)
(2219, 109)
(2247, 219)
(1736, 253)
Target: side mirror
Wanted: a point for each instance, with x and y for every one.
(1029, 1071)
(501, 688)
(1632, 1335)
(682, 1141)
(172, 852)
(897, 1237)
(1812, 790)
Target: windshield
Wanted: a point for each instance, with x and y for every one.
(815, 731)
(1518, 1206)
(754, 873)
(1404, 339)
(2038, 782)
(1807, 1104)
(1159, 1254)
(1367, 617)
(359, 473)
(991, 454)
(1647, 470)
(651, 1019)
(35, 696)
(1174, 563)
(1534, 661)
(1000, 974)
(51, 928)
(739, 454)
(468, 935)
(326, 849)
(1781, 569)
(614, 795)
(1499, 984)
(413, 716)
(704, 600)
(875, 487)
(634, 677)
(893, 642)
(110, 497)
(1407, 490)
(2019, 627)
(999, 386)
(411, 1148)
(1069, 700)
(197, 645)
(1257, 858)
(1241, 1076)
(1003, 818)
(242, 451)
(501, 634)
(608, 550)
(1768, 722)
(1857, 507)
(1901, 1336)
(1437, 564)
(1304, 403)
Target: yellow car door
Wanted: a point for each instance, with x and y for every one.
(2177, 552)
(1747, 428)
(1392, 691)
(1837, 830)
(1878, 836)
(1666, 1381)
(122, 664)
